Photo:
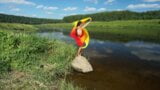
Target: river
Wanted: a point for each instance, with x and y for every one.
(132, 65)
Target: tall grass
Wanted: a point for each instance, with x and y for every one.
(64, 85)
(30, 62)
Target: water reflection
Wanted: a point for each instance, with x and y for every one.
(145, 51)
(99, 48)
(133, 65)
(54, 35)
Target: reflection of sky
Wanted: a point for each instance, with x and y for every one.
(146, 51)
(108, 48)
(143, 50)
(55, 35)
(98, 48)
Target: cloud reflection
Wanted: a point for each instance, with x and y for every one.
(145, 51)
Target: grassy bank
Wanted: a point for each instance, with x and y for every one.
(28, 62)
(109, 26)
(147, 30)
(17, 27)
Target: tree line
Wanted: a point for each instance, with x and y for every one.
(101, 16)
(26, 20)
(116, 15)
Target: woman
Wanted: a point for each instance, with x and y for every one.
(80, 34)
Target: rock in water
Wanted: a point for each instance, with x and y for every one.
(81, 64)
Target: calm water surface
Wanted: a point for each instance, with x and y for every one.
(133, 65)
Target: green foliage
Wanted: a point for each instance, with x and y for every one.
(116, 15)
(26, 20)
(17, 27)
(40, 61)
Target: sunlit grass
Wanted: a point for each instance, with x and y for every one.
(30, 62)
(17, 27)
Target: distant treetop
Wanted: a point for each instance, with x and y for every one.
(116, 15)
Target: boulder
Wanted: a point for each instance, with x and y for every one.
(81, 64)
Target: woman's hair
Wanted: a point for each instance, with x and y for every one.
(79, 23)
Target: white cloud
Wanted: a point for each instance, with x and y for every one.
(70, 8)
(39, 6)
(102, 9)
(92, 1)
(109, 1)
(18, 2)
(46, 7)
(50, 8)
(90, 9)
(93, 9)
(15, 9)
(139, 6)
(50, 13)
(151, 0)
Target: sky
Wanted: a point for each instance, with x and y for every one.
(57, 9)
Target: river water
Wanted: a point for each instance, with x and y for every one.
(132, 65)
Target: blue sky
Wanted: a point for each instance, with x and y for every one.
(57, 9)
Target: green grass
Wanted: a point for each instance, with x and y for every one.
(132, 27)
(29, 62)
(112, 25)
(148, 30)
(18, 27)
(64, 85)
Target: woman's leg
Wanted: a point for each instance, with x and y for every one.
(79, 51)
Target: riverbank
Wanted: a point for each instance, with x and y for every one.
(147, 30)
(31, 62)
